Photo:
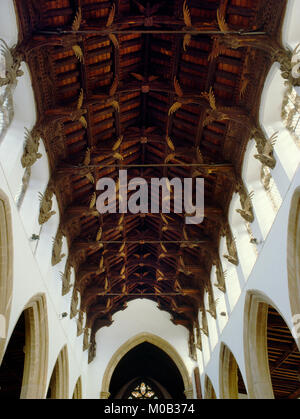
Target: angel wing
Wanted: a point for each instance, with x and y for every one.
(106, 284)
(199, 156)
(156, 7)
(244, 85)
(141, 7)
(111, 16)
(115, 105)
(185, 236)
(101, 263)
(208, 120)
(170, 157)
(138, 76)
(99, 234)
(121, 219)
(78, 52)
(122, 270)
(108, 304)
(83, 122)
(114, 86)
(186, 41)
(248, 201)
(157, 290)
(174, 108)
(187, 15)
(114, 40)
(93, 200)
(148, 130)
(268, 148)
(77, 20)
(273, 139)
(80, 99)
(177, 87)
(152, 78)
(87, 157)
(232, 246)
(170, 143)
(6, 52)
(163, 247)
(212, 99)
(217, 50)
(221, 21)
(118, 156)
(164, 218)
(118, 143)
(90, 177)
(122, 247)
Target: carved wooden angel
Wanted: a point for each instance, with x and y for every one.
(32, 142)
(13, 61)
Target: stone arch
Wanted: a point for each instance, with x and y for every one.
(77, 393)
(154, 340)
(256, 352)
(6, 268)
(293, 257)
(36, 349)
(270, 367)
(229, 374)
(59, 382)
(209, 391)
(258, 374)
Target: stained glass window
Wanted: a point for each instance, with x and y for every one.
(142, 391)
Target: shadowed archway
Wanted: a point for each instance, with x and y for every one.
(147, 360)
(158, 343)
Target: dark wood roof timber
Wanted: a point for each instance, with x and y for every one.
(284, 357)
(132, 62)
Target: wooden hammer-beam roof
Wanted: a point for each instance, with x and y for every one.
(162, 89)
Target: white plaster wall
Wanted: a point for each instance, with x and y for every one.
(286, 151)
(8, 22)
(269, 277)
(141, 316)
(32, 274)
(291, 27)
(28, 281)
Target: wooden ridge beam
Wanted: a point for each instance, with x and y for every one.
(183, 31)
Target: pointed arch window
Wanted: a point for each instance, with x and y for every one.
(142, 391)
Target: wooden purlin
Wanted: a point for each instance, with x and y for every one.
(174, 71)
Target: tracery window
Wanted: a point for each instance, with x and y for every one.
(142, 391)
